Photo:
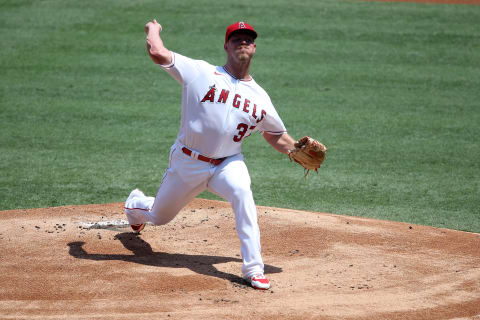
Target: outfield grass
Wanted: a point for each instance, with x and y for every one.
(391, 88)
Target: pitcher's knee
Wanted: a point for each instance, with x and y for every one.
(162, 217)
(158, 221)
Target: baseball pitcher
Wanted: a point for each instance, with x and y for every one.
(221, 107)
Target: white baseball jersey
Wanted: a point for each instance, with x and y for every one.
(218, 110)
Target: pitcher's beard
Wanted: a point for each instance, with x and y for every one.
(243, 57)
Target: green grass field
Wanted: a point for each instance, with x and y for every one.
(391, 88)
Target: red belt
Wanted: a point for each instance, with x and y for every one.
(215, 162)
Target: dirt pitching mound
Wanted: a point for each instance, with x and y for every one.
(82, 262)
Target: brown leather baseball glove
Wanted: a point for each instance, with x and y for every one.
(309, 153)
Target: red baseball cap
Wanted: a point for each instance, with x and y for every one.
(237, 26)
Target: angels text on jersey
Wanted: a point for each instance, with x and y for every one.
(240, 103)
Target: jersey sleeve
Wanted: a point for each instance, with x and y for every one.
(271, 122)
(183, 69)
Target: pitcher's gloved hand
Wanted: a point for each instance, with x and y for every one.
(309, 153)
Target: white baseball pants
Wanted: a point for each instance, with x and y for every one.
(184, 179)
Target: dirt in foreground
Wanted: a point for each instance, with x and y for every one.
(82, 262)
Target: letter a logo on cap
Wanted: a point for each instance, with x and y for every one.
(241, 25)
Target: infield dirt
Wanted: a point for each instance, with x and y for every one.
(82, 262)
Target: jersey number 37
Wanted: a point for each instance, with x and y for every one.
(242, 130)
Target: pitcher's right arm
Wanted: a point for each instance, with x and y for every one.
(156, 49)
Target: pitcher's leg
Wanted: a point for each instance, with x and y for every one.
(232, 182)
(183, 180)
(173, 194)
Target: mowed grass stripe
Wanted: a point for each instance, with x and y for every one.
(390, 88)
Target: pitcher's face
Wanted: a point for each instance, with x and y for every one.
(241, 47)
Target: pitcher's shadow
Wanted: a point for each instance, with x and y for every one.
(144, 254)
